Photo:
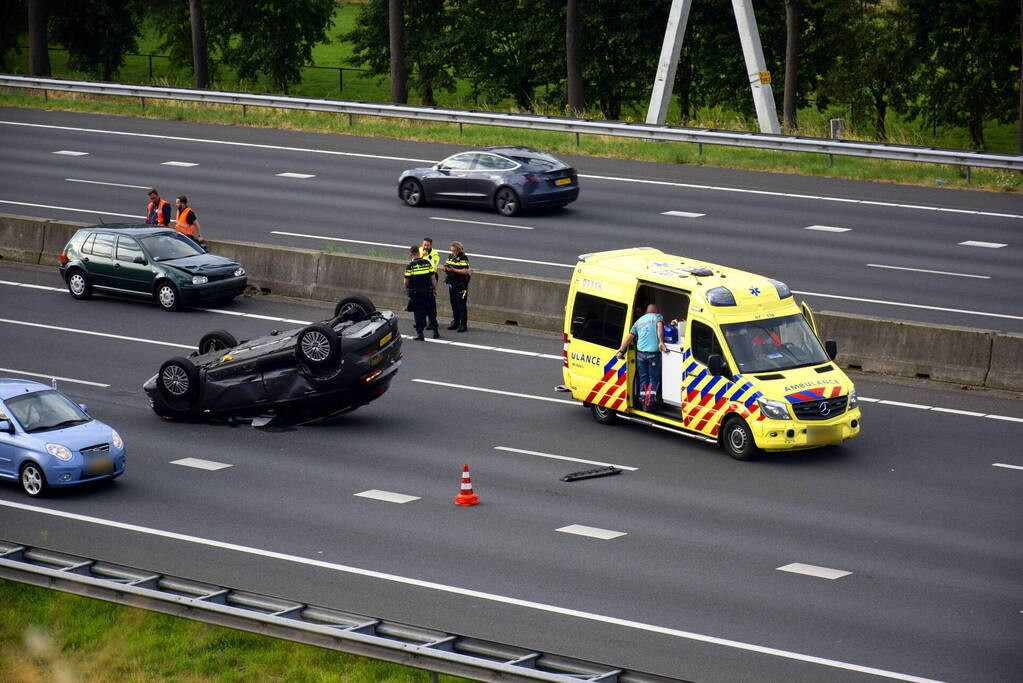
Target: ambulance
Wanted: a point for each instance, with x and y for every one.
(744, 366)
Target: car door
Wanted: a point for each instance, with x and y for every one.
(131, 266)
(703, 393)
(447, 180)
(98, 255)
(8, 446)
(597, 328)
(486, 176)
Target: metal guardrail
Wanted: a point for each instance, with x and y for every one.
(933, 155)
(318, 626)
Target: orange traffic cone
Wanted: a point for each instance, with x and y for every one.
(465, 495)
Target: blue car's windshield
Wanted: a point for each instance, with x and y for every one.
(774, 344)
(167, 247)
(41, 411)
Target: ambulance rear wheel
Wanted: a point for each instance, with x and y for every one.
(737, 440)
(603, 414)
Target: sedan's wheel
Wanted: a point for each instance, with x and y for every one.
(33, 480)
(603, 414)
(167, 296)
(78, 284)
(737, 439)
(217, 340)
(178, 379)
(317, 344)
(354, 308)
(412, 192)
(507, 202)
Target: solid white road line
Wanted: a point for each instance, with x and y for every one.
(987, 245)
(813, 570)
(191, 347)
(496, 391)
(564, 457)
(62, 379)
(932, 272)
(902, 303)
(956, 412)
(1004, 417)
(591, 531)
(70, 153)
(826, 228)
(499, 225)
(641, 181)
(100, 182)
(45, 288)
(387, 496)
(683, 214)
(184, 164)
(405, 247)
(471, 593)
(302, 176)
(904, 405)
(201, 464)
(1011, 467)
(68, 208)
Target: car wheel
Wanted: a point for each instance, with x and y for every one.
(217, 340)
(317, 344)
(737, 440)
(33, 479)
(412, 193)
(506, 201)
(167, 296)
(78, 284)
(178, 379)
(603, 414)
(354, 308)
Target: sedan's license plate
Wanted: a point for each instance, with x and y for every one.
(386, 339)
(96, 466)
(562, 181)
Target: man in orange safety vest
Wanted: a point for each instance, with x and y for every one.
(186, 221)
(158, 212)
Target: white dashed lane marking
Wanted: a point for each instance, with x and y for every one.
(930, 272)
(683, 214)
(387, 496)
(987, 245)
(1009, 467)
(496, 225)
(101, 182)
(302, 176)
(71, 153)
(590, 531)
(563, 457)
(826, 228)
(185, 164)
(200, 464)
(68, 208)
(57, 377)
(813, 570)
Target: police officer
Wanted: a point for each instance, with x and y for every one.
(420, 284)
(186, 221)
(456, 276)
(159, 211)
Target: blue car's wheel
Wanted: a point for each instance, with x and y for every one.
(412, 192)
(33, 479)
(506, 201)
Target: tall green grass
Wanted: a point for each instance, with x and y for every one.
(46, 635)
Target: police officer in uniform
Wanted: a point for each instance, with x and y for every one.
(420, 284)
(430, 255)
(456, 276)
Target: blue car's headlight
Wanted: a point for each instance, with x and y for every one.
(59, 452)
(116, 439)
(199, 279)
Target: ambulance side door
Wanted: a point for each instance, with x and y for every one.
(703, 394)
(598, 326)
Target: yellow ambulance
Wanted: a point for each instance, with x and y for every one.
(743, 365)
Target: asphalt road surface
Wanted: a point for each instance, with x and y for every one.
(915, 253)
(916, 521)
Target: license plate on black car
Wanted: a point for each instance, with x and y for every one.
(562, 181)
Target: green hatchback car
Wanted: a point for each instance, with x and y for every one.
(147, 261)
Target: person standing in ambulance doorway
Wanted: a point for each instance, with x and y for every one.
(648, 331)
(456, 276)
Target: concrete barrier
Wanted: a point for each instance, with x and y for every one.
(951, 354)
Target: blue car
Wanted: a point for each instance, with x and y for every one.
(49, 441)
(509, 179)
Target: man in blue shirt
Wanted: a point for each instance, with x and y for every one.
(648, 331)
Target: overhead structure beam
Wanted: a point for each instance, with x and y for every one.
(671, 50)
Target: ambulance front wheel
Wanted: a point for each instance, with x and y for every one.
(737, 440)
(603, 414)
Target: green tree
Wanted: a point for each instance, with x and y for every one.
(426, 49)
(97, 33)
(967, 62)
(13, 23)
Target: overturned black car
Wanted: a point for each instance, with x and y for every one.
(305, 374)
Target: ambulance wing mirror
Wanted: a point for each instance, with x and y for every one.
(718, 366)
(832, 348)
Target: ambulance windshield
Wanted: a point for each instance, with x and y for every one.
(774, 344)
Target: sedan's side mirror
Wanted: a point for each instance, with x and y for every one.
(139, 260)
(832, 348)
(84, 407)
(718, 366)
(6, 427)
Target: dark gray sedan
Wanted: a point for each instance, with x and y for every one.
(509, 179)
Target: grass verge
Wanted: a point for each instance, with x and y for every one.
(558, 143)
(47, 635)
